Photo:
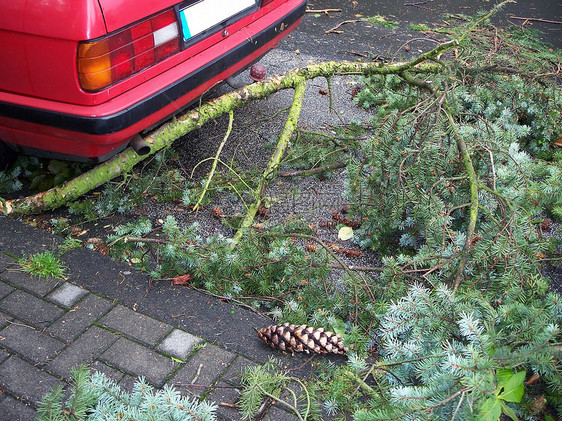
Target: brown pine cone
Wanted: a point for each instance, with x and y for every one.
(293, 338)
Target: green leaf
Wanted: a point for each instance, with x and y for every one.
(339, 327)
(56, 166)
(503, 375)
(491, 410)
(513, 388)
(508, 411)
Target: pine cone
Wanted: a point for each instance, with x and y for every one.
(293, 338)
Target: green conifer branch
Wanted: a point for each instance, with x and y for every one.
(473, 183)
(484, 18)
(468, 165)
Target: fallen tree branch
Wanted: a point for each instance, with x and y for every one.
(165, 135)
(275, 160)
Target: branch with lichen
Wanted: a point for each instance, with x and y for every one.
(194, 119)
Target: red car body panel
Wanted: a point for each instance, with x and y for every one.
(115, 18)
(43, 109)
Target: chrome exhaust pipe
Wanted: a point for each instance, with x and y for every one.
(257, 74)
(234, 84)
(139, 145)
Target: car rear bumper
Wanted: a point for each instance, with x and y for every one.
(95, 133)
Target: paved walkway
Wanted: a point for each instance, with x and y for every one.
(104, 316)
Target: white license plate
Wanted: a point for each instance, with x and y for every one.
(205, 14)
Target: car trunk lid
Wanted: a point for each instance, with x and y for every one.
(118, 14)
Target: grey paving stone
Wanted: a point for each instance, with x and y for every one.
(5, 289)
(14, 410)
(17, 238)
(203, 368)
(3, 355)
(179, 344)
(128, 382)
(6, 260)
(4, 319)
(233, 374)
(30, 309)
(277, 414)
(82, 315)
(110, 372)
(30, 343)
(67, 294)
(82, 351)
(136, 325)
(226, 397)
(139, 360)
(35, 284)
(26, 381)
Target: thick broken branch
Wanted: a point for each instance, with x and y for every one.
(194, 119)
(275, 160)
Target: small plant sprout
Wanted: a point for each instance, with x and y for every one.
(43, 265)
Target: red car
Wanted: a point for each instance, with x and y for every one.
(79, 79)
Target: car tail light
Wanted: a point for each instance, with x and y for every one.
(265, 2)
(119, 55)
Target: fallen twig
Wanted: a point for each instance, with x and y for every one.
(326, 11)
(554, 22)
(419, 4)
(313, 171)
(334, 29)
(215, 160)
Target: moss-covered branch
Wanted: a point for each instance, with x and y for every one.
(194, 119)
(275, 160)
(468, 166)
(473, 183)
